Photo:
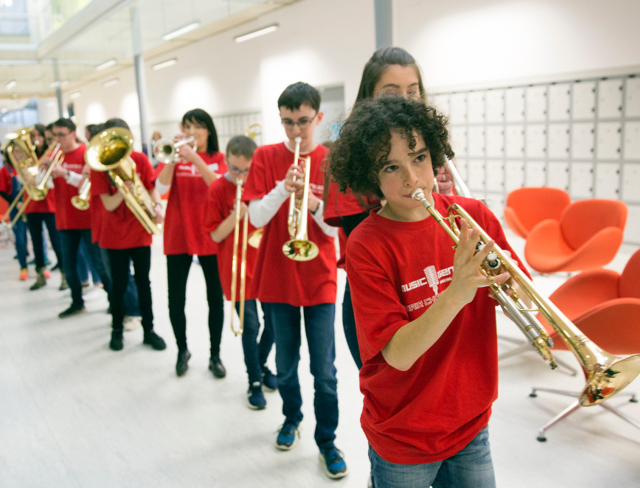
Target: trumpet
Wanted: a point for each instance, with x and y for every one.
(605, 374)
(299, 247)
(110, 151)
(243, 260)
(166, 151)
(81, 200)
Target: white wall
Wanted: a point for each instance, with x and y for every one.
(477, 42)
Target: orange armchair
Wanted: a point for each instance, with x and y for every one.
(588, 235)
(527, 207)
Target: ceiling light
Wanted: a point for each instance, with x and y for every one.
(257, 33)
(105, 65)
(165, 64)
(75, 95)
(180, 31)
(10, 85)
(109, 83)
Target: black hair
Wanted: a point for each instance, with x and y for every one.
(115, 122)
(49, 127)
(93, 129)
(199, 116)
(40, 128)
(379, 63)
(299, 94)
(364, 142)
(68, 123)
(241, 146)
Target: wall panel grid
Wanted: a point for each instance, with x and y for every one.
(582, 136)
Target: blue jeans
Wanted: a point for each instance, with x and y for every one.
(20, 231)
(255, 353)
(319, 327)
(85, 266)
(470, 468)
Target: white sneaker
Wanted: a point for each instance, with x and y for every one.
(132, 323)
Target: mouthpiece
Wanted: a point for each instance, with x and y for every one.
(298, 140)
(418, 194)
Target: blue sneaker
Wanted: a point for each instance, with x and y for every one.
(288, 436)
(269, 380)
(255, 397)
(333, 463)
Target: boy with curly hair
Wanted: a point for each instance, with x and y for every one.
(427, 338)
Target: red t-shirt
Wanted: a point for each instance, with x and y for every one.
(48, 205)
(6, 185)
(396, 271)
(97, 210)
(67, 216)
(221, 198)
(184, 233)
(121, 229)
(280, 279)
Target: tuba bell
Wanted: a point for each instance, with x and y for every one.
(110, 151)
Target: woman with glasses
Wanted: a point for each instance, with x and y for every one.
(184, 235)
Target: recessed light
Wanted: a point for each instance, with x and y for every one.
(11, 84)
(105, 65)
(256, 33)
(109, 83)
(180, 31)
(74, 95)
(165, 64)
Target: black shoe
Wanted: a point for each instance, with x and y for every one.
(116, 340)
(72, 310)
(154, 340)
(215, 365)
(183, 362)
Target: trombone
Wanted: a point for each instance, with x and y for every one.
(166, 151)
(110, 151)
(605, 374)
(243, 260)
(299, 247)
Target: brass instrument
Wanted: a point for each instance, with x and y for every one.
(81, 200)
(459, 185)
(299, 247)
(605, 374)
(110, 151)
(253, 131)
(243, 260)
(166, 151)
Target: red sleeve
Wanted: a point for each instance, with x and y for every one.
(100, 183)
(6, 185)
(144, 169)
(213, 212)
(256, 185)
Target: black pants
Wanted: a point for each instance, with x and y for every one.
(70, 241)
(178, 266)
(35, 220)
(119, 262)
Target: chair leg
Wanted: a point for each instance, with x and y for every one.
(542, 437)
(623, 416)
(534, 392)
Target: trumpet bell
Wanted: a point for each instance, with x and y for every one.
(300, 250)
(605, 381)
(255, 237)
(79, 203)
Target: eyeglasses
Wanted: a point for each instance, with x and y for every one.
(233, 169)
(303, 123)
(60, 135)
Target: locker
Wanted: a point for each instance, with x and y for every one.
(458, 140)
(581, 181)
(515, 105)
(631, 182)
(632, 140)
(558, 175)
(584, 100)
(632, 229)
(535, 173)
(514, 175)
(582, 140)
(610, 99)
(536, 104)
(495, 202)
(609, 137)
(495, 175)
(559, 135)
(495, 141)
(458, 108)
(536, 144)
(476, 107)
(475, 176)
(494, 100)
(476, 142)
(515, 141)
(441, 103)
(632, 98)
(607, 181)
(559, 102)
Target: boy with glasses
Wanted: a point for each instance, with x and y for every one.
(285, 285)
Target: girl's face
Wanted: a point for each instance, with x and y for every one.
(36, 138)
(398, 80)
(403, 171)
(199, 132)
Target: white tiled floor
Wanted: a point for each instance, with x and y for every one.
(75, 414)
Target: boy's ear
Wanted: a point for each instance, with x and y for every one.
(319, 117)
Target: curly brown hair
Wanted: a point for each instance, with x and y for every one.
(364, 141)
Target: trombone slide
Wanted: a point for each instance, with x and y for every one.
(243, 261)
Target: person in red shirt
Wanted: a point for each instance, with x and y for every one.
(220, 221)
(127, 240)
(185, 237)
(427, 336)
(73, 224)
(284, 285)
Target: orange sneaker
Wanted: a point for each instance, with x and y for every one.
(24, 274)
(47, 274)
